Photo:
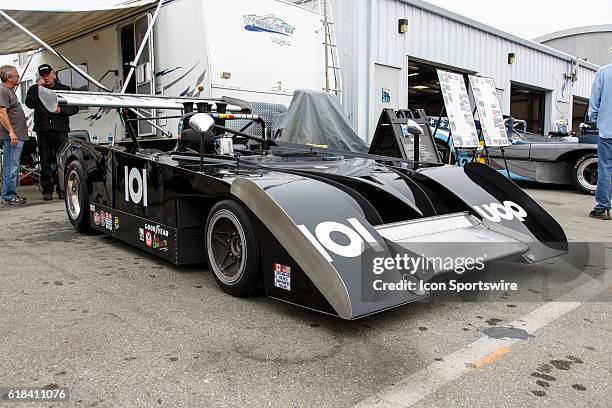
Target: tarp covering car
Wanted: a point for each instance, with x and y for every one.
(317, 118)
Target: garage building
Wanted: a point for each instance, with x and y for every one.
(389, 51)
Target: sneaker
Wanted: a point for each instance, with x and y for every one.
(47, 197)
(23, 199)
(14, 201)
(601, 215)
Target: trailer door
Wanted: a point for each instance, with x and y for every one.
(142, 82)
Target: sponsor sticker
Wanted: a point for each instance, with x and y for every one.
(97, 219)
(108, 222)
(92, 208)
(282, 277)
(148, 239)
(160, 244)
(157, 230)
(102, 218)
(141, 234)
(116, 223)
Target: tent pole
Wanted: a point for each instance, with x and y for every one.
(51, 50)
(30, 58)
(46, 46)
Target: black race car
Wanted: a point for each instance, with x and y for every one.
(306, 223)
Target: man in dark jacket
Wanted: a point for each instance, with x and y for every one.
(51, 129)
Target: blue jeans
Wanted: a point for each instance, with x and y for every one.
(10, 168)
(604, 174)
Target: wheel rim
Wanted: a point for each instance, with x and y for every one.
(226, 245)
(587, 174)
(72, 195)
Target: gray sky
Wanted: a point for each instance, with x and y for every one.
(532, 18)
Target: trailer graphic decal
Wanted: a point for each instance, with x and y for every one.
(268, 24)
(179, 79)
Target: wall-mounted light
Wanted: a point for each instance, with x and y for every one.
(403, 26)
(511, 58)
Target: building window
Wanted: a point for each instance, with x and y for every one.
(23, 88)
(73, 79)
(22, 58)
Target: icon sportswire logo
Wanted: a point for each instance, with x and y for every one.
(268, 24)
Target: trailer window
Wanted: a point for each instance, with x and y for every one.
(73, 79)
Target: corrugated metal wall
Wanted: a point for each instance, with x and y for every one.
(367, 32)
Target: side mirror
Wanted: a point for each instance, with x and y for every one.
(414, 128)
(201, 122)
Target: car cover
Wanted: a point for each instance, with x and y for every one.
(316, 117)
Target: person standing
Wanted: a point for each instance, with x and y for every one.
(13, 133)
(600, 111)
(51, 129)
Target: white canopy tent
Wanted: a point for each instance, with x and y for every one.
(62, 22)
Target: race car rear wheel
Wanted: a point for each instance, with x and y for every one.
(232, 249)
(77, 199)
(584, 173)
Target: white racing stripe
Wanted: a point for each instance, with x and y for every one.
(425, 382)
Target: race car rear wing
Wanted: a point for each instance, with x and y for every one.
(138, 101)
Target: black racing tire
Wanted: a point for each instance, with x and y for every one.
(584, 173)
(77, 198)
(232, 249)
(444, 150)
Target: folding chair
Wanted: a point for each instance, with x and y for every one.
(29, 168)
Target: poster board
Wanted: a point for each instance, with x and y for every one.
(489, 111)
(458, 109)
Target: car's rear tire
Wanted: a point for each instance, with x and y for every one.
(584, 173)
(77, 198)
(232, 249)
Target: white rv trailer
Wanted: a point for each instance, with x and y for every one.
(260, 51)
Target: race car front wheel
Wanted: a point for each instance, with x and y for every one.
(584, 173)
(77, 199)
(232, 249)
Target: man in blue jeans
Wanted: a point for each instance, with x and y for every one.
(13, 132)
(600, 110)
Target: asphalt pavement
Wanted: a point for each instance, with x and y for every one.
(118, 328)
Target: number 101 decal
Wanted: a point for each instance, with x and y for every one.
(357, 236)
(496, 212)
(138, 193)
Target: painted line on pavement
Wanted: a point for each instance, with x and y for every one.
(483, 351)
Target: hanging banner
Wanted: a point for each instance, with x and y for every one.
(489, 111)
(458, 109)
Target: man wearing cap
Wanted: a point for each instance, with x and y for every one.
(51, 129)
(13, 132)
